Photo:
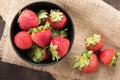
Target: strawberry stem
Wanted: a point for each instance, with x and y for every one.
(35, 53)
(117, 54)
(93, 39)
(53, 50)
(42, 15)
(114, 59)
(55, 15)
(59, 33)
(83, 60)
(46, 26)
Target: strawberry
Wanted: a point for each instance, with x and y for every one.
(42, 16)
(23, 40)
(108, 57)
(41, 35)
(59, 47)
(94, 42)
(57, 19)
(28, 19)
(87, 62)
(38, 54)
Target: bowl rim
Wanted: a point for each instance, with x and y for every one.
(71, 42)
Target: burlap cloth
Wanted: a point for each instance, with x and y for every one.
(89, 16)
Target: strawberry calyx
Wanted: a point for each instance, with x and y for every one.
(46, 26)
(114, 59)
(59, 33)
(42, 15)
(53, 50)
(36, 53)
(56, 15)
(93, 40)
(83, 60)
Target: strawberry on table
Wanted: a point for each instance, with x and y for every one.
(59, 47)
(38, 54)
(23, 40)
(57, 19)
(108, 57)
(94, 42)
(28, 19)
(87, 62)
(41, 35)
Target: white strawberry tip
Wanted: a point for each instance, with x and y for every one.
(83, 60)
(93, 39)
(56, 15)
(54, 52)
(114, 59)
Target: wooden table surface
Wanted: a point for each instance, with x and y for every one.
(13, 72)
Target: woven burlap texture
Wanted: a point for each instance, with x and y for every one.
(89, 16)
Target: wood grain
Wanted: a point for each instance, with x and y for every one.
(114, 3)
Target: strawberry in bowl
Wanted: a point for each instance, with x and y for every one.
(57, 19)
(44, 30)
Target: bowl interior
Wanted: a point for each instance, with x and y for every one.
(36, 7)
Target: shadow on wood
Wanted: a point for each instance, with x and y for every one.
(14, 72)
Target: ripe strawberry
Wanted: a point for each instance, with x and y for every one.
(38, 54)
(108, 57)
(23, 40)
(94, 42)
(87, 62)
(59, 47)
(57, 19)
(41, 35)
(28, 19)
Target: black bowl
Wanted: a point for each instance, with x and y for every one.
(36, 7)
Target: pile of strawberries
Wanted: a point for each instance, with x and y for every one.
(43, 34)
(88, 61)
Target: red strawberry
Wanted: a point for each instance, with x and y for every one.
(57, 19)
(28, 19)
(42, 38)
(59, 47)
(42, 35)
(38, 54)
(87, 62)
(108, 57)
(94, 42)
(23, 40)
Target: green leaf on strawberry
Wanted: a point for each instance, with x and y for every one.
(93, 40)
(36, 53)
(55, 15)
(114, 59)
(54, 52)
(83, 60)
(46, 26)
(59, 33)
(42, 15)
